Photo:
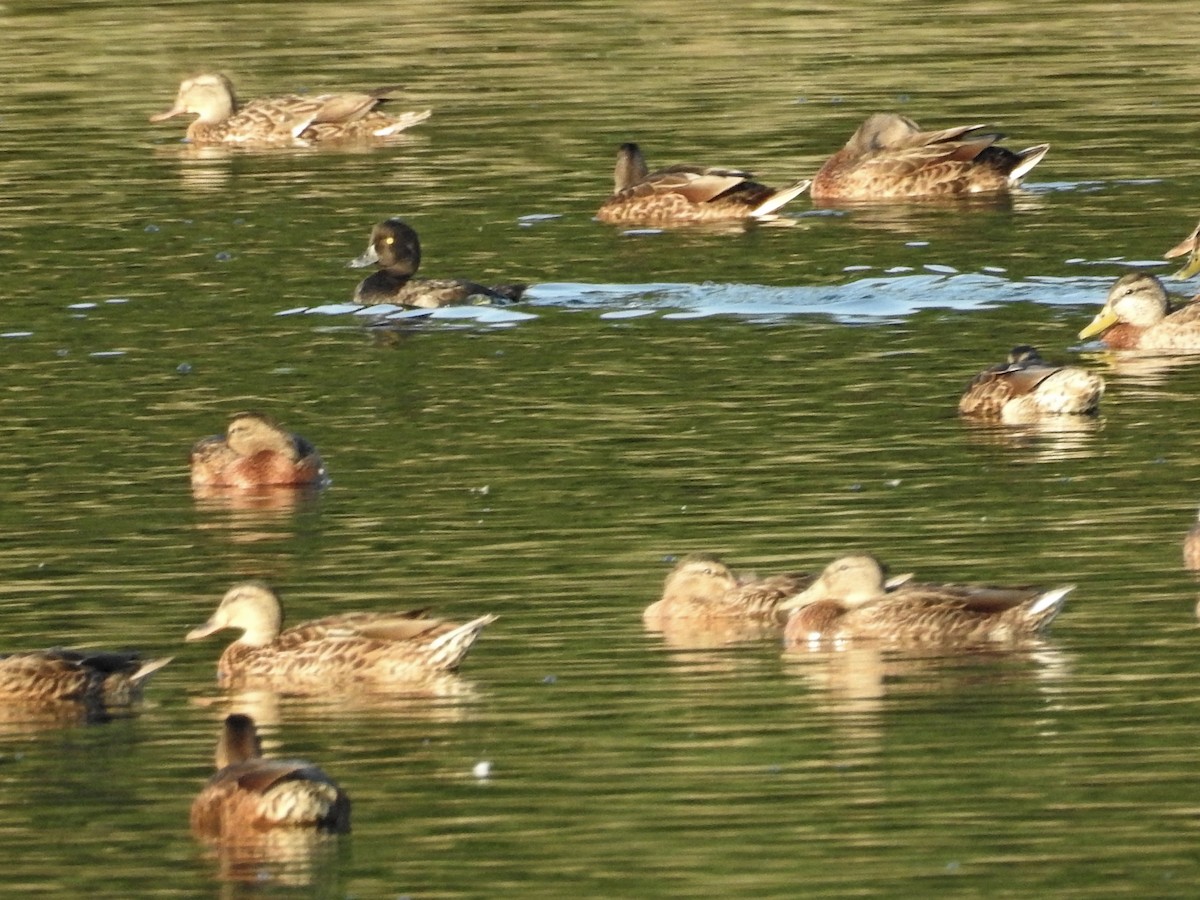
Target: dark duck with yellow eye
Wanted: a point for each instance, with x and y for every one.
(395, 248)
(684, 194)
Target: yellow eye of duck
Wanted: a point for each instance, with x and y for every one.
(390, 240)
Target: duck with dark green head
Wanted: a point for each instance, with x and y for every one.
(396, 250)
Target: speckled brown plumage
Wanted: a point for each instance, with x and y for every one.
(1137, 315)
(1027, 387)
(106, 678)
(850, 600)
(702, 587)
(283, 121)
(254, 452)
(251, 794)
(384, 649)
(683, 194)
(890, 158)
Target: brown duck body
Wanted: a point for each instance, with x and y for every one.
(381, 649)
(255, 452)
(1137, 315)
(1026, 387)
(702, 588)
(850, 601)
(283, 121)
(890, 158)
(108, 678)
(251, 794)
(683, 194)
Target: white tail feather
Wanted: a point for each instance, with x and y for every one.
(779, 198)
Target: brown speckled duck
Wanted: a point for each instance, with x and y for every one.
(851, 600)
(701, 587)
(682, 194)
(890, 158)
(1027, 387)
(395, 248)
(255, 452)
(366, 649)
(94, 677)
(251, 794)
(283, 121)
(1137, 316)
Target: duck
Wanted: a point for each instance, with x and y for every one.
(291, 120)
(1191, 547)
(683, 194)
(249, 793)
(1137, 315)
(91, 677)
(353, 649)
(889, 157)
(851, 599)
(395, 248)
(1191, 246)
(255, 451)
(1027, 387)
(700, 587)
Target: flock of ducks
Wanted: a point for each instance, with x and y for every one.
(887, 158)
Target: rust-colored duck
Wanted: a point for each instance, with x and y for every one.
(255, 451)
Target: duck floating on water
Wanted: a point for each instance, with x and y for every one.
(1026, 387)
(889, 157)
(255, 451)
(284, 121)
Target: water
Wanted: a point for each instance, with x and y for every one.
(777, 396)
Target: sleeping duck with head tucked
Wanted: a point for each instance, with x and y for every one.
(685, 194)
(284, 121)
(701, 587)
(1137, 315)
(250, 794)
(851, 600)
(255, 452)
(405, 650)
(889, 157)
(396, 251)
(1026, 387)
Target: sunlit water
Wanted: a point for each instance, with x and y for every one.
(775, 395)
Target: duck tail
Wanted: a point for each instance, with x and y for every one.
(779, 198)
(1045, 607)
(403, 121)
(147, 669)
(1026, 160)
(448, 651)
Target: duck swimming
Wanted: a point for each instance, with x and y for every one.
(1137, 315)
(395, 248)
(251, 794)
(890, 158)
(682, 194)
(1027, 387)
(255, 452)
(851, 599)
(701, 587)
(368, 649)
(283, 121)
(94, 677)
